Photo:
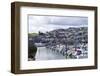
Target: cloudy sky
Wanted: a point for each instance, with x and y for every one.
(49, 23)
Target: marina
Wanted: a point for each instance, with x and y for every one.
(60, 52)
(58, 40)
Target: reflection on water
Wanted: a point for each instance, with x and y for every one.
(44, 53)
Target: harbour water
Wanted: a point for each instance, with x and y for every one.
(44, 53)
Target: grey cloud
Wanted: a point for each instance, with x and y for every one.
(72, 20)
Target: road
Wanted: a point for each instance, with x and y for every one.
(47, 54)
